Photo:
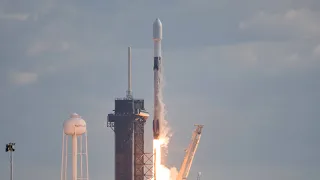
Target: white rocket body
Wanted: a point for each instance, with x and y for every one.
(157, 37)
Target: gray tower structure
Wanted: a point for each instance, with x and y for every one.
(127, 122)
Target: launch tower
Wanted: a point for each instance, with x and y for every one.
(128, 122)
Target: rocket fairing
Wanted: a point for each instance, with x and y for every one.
(157, 37)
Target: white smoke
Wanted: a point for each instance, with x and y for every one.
(166, 132)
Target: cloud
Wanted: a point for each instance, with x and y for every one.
(23, 78)
(316, 51)
(47, 46)
(17, 17)
(264, 57)
(293, 23)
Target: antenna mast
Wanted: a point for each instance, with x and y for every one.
(129, 91)
(10, 148)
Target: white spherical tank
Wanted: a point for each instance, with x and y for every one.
(74, 125)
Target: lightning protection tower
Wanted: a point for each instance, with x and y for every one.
(127, 122)
(10, 148)
(76, 128)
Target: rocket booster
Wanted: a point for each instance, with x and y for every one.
(157, 37)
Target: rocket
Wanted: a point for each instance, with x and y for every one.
(157, 37)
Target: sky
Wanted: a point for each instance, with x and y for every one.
(248, 70)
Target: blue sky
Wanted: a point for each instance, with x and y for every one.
(248, 70)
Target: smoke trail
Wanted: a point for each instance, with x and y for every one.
(165, 133)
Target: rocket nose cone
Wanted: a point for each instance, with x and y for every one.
(157, 23)
(157, 29)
